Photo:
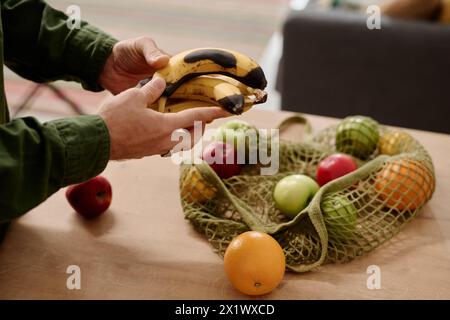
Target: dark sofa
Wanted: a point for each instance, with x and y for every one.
(333, 65)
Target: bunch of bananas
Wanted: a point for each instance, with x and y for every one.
(211, 76)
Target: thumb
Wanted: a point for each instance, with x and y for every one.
(153, 89)
(155, 57)
(186, 118)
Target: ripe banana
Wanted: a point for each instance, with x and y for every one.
(193, 63)
(178, 105)
(217, 76)
(232, 96)
(212, 89)
(246, 90)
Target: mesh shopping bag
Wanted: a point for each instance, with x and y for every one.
(346, 218)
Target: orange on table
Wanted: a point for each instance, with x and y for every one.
(195, 189)
(405, 184)
(254, 263)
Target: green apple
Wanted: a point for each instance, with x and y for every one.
(236, 131)
(340, 216)
(357, 136)
(293, 193)
(241, 135)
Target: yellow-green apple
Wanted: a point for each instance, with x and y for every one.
(293, 193)
(90, 198)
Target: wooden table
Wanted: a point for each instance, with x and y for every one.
(144, 249)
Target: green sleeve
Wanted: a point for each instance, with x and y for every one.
(40, 46)
(37, 159)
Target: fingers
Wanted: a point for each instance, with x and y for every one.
(154, 56)
(191, 136)
(186, 118)
(153, 89)
(158, 62)
(195, 137)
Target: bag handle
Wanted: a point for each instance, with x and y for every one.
(296, 118)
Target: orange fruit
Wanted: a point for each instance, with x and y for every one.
(405, 184)
(254, 263)
(195, 189)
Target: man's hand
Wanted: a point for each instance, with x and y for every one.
(136, 131)
(131, 61)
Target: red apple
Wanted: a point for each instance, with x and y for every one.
(222, 157)
(90, 198)
(334, 166)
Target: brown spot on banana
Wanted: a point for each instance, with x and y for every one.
(233, 104)
(221, 57)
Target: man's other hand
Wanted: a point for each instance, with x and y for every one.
(131, 61)
(136, 131)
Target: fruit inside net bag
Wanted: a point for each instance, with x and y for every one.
(346, 217)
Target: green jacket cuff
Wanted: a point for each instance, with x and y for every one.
(87, 147)
(87, 52)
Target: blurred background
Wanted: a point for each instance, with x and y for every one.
(325, 57)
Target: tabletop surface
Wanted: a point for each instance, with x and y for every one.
(143, 248)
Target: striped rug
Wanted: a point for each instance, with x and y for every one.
(176, 25)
